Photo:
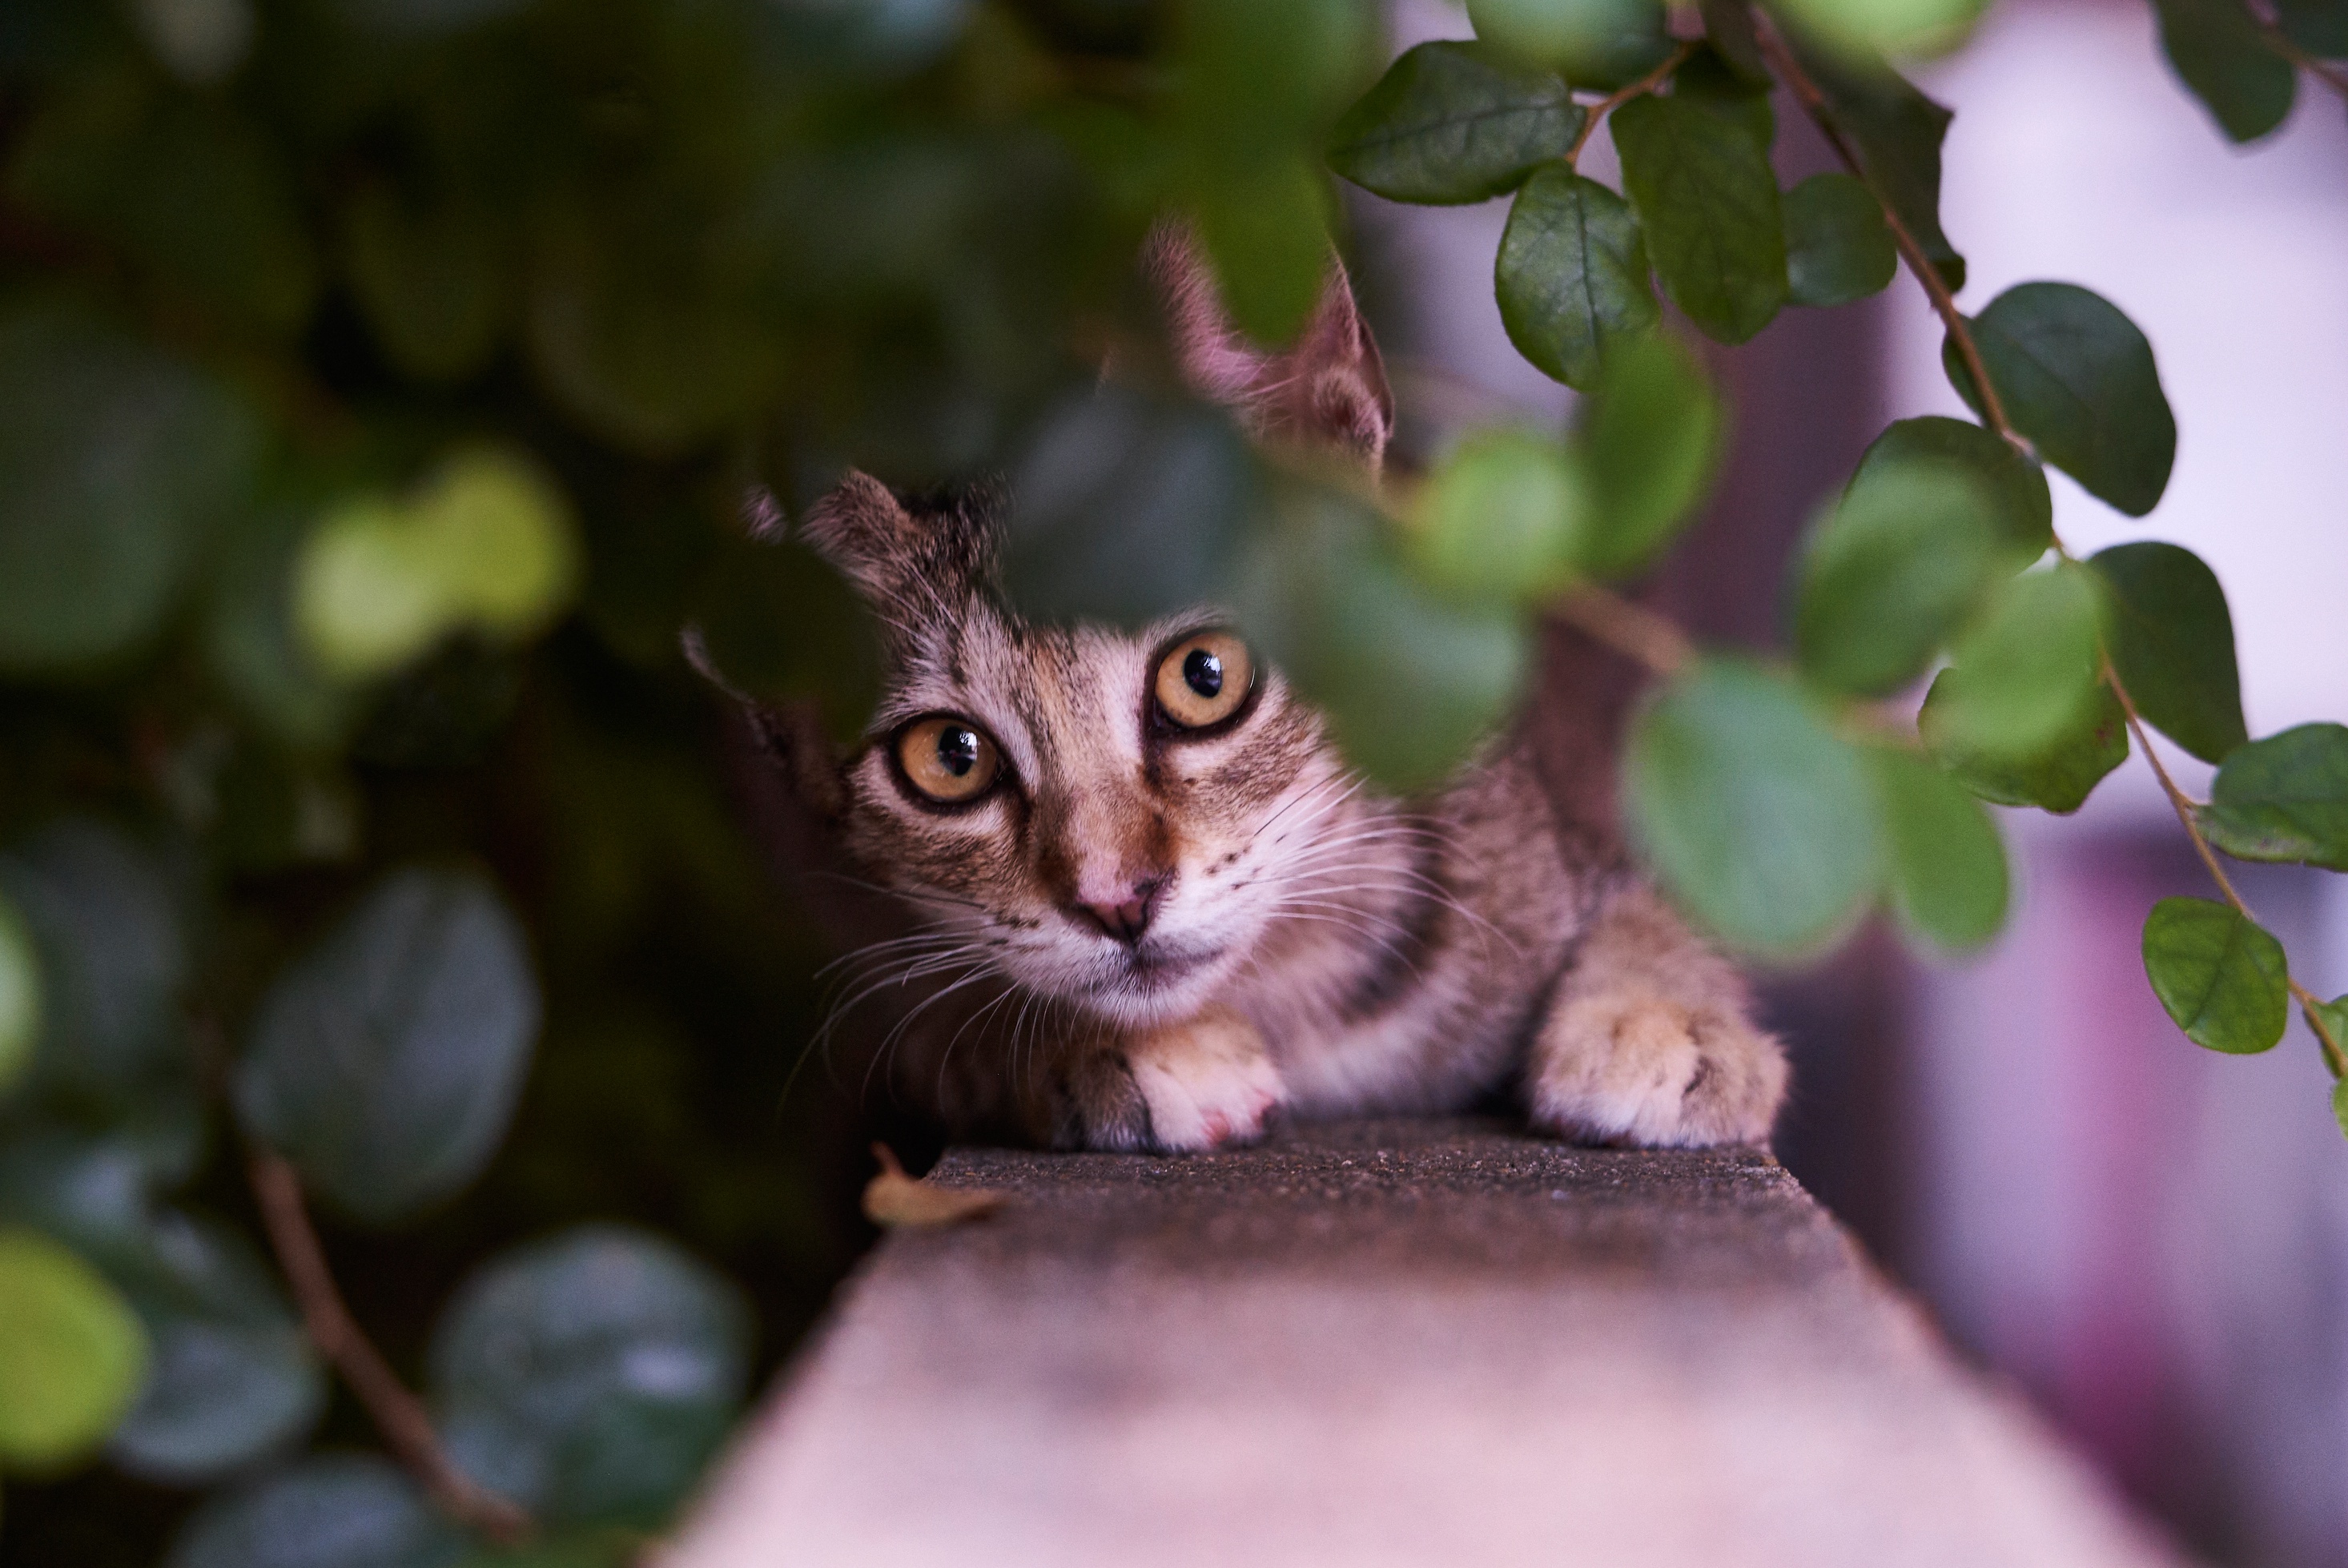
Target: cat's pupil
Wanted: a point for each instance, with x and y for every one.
(1203, 672)
(957, 751)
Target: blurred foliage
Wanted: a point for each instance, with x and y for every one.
(381, 385)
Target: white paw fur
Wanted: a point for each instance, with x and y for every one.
(1637, 1068)
(1208, 1081)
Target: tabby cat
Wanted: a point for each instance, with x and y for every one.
(1154, 909)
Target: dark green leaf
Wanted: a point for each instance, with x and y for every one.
(1728, 24)
(2319, 26)
(1454, 122)
(1760, 821)
(1948, 863)
(1651, 433)
(428, 17)
(2077, 379)
(597, 1546)
(2172, 642)
(2221, 978)
(1265, 227)
(1860, 28)
(782, 625)
(1264, 76)
(20, 994)
(1707, 202)
(1901, 560)
(1572, 276)
(1707, 80)
(336, 1510)
(1501, 518)
(437, 282)
(1598, 44)
(385, 1062)
(2218, 52)
(589, 1376)
(2024, 511)
(71, 1353)
(248, 639)
(1896, 132)
(2340, 1098)
(2027, 668)
(2058, 777)
(2332, 1018)
(97, 1191)
(1836, 247)
(114, 462)
(2284, 799)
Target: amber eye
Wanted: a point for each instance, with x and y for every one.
(1203, 679)
(948, 759)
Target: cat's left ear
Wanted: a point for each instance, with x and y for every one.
(914, 559)
(1328, 387)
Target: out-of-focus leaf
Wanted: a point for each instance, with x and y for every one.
(1707, 203)
(2222, 979)
(1728, 29)
(596, 1546)
(2027, 669)
(436, 282)
(1949, 879)
(114, 462)
(332, 1511)
(1260, 76)
(446, 712)
(1597, 44)
(1836, 247)
(1452, 122)
(893, 1198)
(1901, 560)
(589, 1376)
(20, 994)
(95, 1191)
(780, 625)
(1860, 28)
(2077, 379)
(2217, 49)
(112, 958)
(71, 1353)
(1707, 80)
(1651, 434)
(385, 1062)
(1410, 683)
(2332, 1017)
(2058, 777)
(248, 637)
(2284, 799)
(1265, 227)
(2017, 486)
(1501, 518)
(2319, 26)
(427, 16)
(1760, 821)
(2172, 642)
(1895, 131)
(1572, 276)
(199, 41)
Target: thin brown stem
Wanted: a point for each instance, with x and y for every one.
(1622, 96)
(2330, 75)
(1629, 628)
(398, 1414)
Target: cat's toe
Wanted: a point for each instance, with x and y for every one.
(1207, 1084)
(1652, 1072)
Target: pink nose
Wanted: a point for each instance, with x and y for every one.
(1126, 919)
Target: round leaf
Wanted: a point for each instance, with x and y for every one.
(1650, 432)
(1838, 249)
(2172, 641)
(2016, 486)
(1572, 276)
(2221, 978)
(385, 1062)
(1265, 224)
(338, 1510)
(1452, 122)
(1599, 43)
(1949, 879)
(589, 1376)
(368, 596)
(1500, 518)
(2077, 379)
(1892, 26)
(2220, 52)
(1707, 202)
(2027, 669)
(1895, 132)
(20, 994)
(2058, 777)
(434, 281)
(1899, 563)
(71, 1353)
(2284, 799)
(1759, 820)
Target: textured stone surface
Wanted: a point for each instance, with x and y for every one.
(1392, 1342)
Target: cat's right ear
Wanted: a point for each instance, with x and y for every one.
(911, 561)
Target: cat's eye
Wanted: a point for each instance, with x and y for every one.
(949, 759)
(1203, 679)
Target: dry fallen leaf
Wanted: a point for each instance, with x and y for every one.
(893, 1198)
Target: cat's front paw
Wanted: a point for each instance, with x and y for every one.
(1633, 1068)
(1207, 1082)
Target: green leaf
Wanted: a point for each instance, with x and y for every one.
(1410, 683)
(1728, 29)
(114, 462)
(333, 1511)
(597, 1546)
(1707, 80)
(1895, 132)
(2172, 642)
(1949, 879)
(436, 282)
(1257, 78)
(1707, 202)
(2015, 485)
(2319, 26)
(95, 1191)
(1861, 28)
(429, 17)
(1651, 433)
(20, 994)
(71, 1353)
(1597, 44)
(2332, 1018)
(589, 1376)
(2077, 379)
(1572, 276)
(2217, 50)
(1265, 227)
(2339, 1102)
(782, 624)
(248, 638)
(2284, 799)
(2221, 978)
(1452, 122)
(385, 1062)
(1758, 819)
(1501, 518)
(1901, 562)
(2058, 777)
(2026, 670)
(1838, 249)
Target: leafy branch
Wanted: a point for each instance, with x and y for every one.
(1679, 57)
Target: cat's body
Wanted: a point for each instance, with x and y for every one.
(1155, 909)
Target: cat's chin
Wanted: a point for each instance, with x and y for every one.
(1150, 989)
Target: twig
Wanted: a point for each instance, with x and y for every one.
(1631, 629)
(1622, 96)
(396, 1412)
(2325, 71)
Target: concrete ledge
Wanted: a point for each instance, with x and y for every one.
(1392, 1342)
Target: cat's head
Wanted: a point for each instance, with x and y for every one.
(1105, 817)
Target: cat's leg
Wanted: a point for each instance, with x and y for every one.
(1199, 1084)
(1649, 1039)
